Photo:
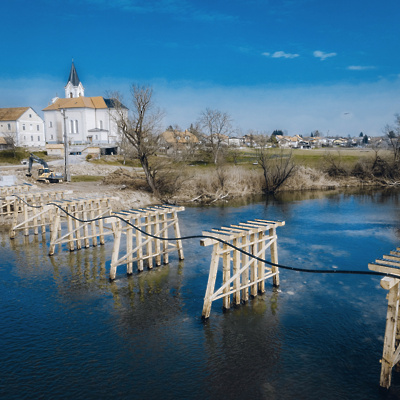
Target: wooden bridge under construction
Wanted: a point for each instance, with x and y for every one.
(144, 237)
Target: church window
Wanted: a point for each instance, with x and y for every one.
(31, 138)
(23, 127)
(37, 127)
(30, 127)
(38, 138)
(50, 124)
(9, 127)
(97, 137)
(51, 137)
(76, 126)
(72, 126)
(101, 124)
(30, 115)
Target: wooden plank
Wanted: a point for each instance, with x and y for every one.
(383, 269)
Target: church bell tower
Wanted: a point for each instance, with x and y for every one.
(74, 87)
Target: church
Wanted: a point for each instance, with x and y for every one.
(86, 120)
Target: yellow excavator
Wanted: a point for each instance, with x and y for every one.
(44, 174)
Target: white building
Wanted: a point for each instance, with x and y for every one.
(23, 125)
(87, 120)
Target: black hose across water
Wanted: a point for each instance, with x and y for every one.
(297, 269)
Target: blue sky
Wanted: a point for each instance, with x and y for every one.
(281, 64)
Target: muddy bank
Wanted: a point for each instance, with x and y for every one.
(128, 189)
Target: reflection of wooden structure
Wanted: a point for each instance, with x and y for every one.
(30, 210)
(240, 271)
(156, 221)
(390, 264)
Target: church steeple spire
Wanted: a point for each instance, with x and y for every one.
(73, 75)
(74, 87)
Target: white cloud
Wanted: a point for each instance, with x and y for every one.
(323, 56)
(281, 54)
(360, 67)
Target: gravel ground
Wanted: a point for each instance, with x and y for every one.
(122, 197)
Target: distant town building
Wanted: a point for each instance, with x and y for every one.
(87, 120)
(173, 140)
(23, 126)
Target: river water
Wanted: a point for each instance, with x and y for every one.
(68, 333)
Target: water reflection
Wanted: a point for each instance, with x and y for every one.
(70, 333)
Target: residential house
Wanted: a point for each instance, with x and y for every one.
(288, 141)
(235, 141)
(86, 120)
(23, 126)
(173, 140)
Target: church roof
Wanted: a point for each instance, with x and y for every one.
(114, 103)
(73, 76)
(77, 102)
(12, 114)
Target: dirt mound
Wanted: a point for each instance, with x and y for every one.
(126, 178)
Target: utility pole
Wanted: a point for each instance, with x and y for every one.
(67, 175)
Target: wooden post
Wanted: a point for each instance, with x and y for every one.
(54, 231)
(157, 242)
(226, 273)
(71, 245)
(253, 265)
(178, 235)
(274, 255)
(389, 344)
(139, 244)
(149, 246)
(245, 273)
(261, 266)
(26, 231)
(165, 236)
(101, 222)
(93, 223)
(115, 253)
(77, 208)
(129, 245)
(211, 281)
(236, 268)
(86, 206)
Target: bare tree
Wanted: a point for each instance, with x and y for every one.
(393, 134)
(217, 125)
(277, 168)
(140, 128)
(12, 141)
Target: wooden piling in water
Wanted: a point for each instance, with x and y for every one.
(390, 264)
(153, 223)
(240, 271)
(72, 219)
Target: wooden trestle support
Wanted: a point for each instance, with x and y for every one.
(36, 211)
(155, 221)
(390, 264)
(240, 271)
(7, 201)
(30, 212)
(74, 213)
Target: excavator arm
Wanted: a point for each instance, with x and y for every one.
(33, 158)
